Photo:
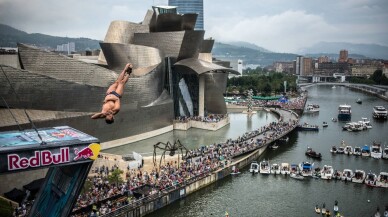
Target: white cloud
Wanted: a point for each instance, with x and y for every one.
(284, 32)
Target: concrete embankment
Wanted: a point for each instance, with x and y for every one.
(166, 197)
(370, 90)
(213, 126)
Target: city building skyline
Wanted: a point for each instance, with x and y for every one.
(190, 6)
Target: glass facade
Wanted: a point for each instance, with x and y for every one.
(190, 6)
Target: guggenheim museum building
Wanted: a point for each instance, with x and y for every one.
(174, 75)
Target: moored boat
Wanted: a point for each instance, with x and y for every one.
(357, 151)
(312, 109)
(385, 153)
(275, 168)
(337, 175)
(359, 101)
(327, 172)
(370, 179)
(382, 180)
(325, 124)
(285, 168)
(365, 151)
(347, 175)
(306, 168)
(307, 127)
(333, 149)
(296, 176)
(366, 123)
(348, 150)
(379, 112)
(254, 167)
(235, 171)
(359, 176)
(317, 209)
(265, 167)
(376, 151)
(294, 168)
(344, 112)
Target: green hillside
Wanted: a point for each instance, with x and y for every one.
(10, 36)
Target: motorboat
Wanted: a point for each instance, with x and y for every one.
(365, 151)
(235, 171)
(333, 149)
(385, 153)
(333, 87)
(347, 175)
(327, 172)
(370, 179)
(376, 151)
(337, 175)
(359, 176)
(348, 150)
(294, 169)
(382, 180)
(265, 167)
(366, 123)
(311, 153)
(341, 148)
(311, 109)
(344, 112)
(296, 176)
(317, 209)
(313, 105)
(347, 126)
(357, 151)
(354, 126)
(254, 167)
(324, 124)
(359, 101)
(285, 139)
(274, 146)
(317, 173)
(307, 127)
(275, 169)
(306, 168)
(285, 168)
(379, 112)
(334, 119)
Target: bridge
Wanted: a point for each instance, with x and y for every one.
(380, 91)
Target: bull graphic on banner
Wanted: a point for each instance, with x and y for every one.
(90, 152)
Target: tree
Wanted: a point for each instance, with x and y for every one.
(267, 89)
(115, 176)
(377, 76)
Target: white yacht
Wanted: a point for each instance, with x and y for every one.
(376, 150)
(385, 152)
(380, 112)
(312, 108)
(254, 167)
(370, 179)
(333, 149)
(366, 123)
(365, 151)
(264, 167)
(275, 169)
(285, 168)
(306, 168)
(357, 151)
(327, 172)
(359, 176)
(348, 150)
(347, 175)
(382, 180)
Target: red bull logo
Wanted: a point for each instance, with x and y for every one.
(90, 152)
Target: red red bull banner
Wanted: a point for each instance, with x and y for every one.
(49, 156)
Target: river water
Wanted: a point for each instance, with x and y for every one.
(247, 195)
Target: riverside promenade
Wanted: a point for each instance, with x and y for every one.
(238, 153)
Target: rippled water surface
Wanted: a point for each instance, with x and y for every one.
(247, 195)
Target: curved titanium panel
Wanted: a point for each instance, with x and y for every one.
(215, 86)
(122, 32)
(188, 21)
(173, 22)
(117, 55)
(64, 68)
(207, 46)
(181, 44)
(199, 67)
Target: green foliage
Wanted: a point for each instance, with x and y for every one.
(5, 208)
(261, 84)
(377, 78)
(115, 176)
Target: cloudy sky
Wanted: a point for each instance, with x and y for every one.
(277, 25)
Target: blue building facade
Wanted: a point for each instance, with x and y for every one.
(190, 6)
